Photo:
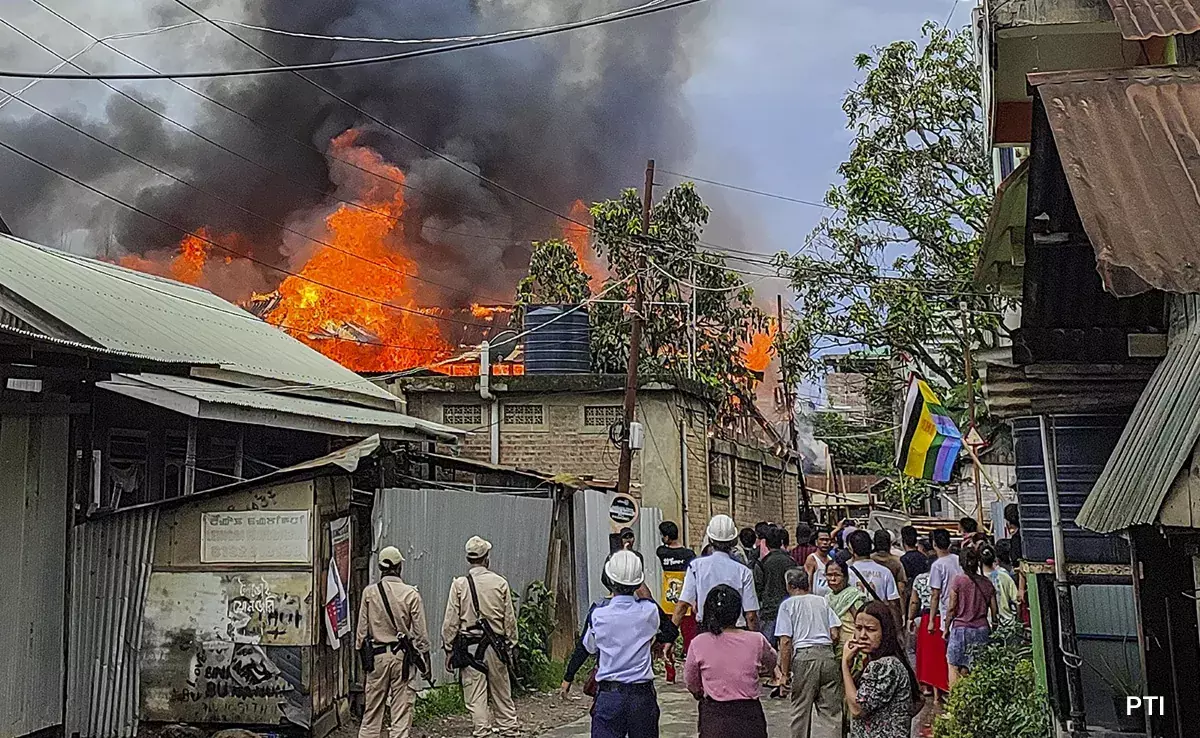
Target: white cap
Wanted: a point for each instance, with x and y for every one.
(390, 556)
(625, 568)
(477, 548)
(722, 529)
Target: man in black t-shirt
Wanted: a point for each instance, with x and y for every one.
(675, 559)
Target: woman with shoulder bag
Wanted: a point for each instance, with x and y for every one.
(967, 628)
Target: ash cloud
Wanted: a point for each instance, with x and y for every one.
(568, 117)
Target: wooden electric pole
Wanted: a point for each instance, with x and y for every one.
(635, 337)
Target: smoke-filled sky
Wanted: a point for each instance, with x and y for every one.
(744, 91)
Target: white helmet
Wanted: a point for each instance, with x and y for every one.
(625, 568)
(722, 529)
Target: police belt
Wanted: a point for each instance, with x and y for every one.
(412, 656)
(629, 688)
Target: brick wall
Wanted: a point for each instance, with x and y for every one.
(562, 443)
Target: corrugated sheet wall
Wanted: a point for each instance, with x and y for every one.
(33, 507)
(109, 576)
(431, 527)
(592, 545)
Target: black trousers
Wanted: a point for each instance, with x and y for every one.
(736, 719)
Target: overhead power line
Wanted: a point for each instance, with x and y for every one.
(275, 131)
(416, 142)
(232, 252)
(763, 193)
(355, 62)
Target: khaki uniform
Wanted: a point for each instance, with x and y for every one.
(386, 685)
(495, 601)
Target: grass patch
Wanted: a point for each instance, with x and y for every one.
(438, 703)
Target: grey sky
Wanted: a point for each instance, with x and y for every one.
(767, 104)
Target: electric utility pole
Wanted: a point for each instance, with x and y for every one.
(635, 336)
(971, 412)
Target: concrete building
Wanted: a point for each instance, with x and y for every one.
(690, 467)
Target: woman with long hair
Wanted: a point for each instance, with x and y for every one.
(845, 600)
(972, 600)
(723, 669)
(881, 688)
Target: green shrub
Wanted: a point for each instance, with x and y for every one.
(533, 671)
(999, 697)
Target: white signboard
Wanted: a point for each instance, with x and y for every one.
(255, 537)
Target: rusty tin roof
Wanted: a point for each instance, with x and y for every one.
(1142, 19)
(1129, 142)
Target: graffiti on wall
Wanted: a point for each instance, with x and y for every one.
(226, 647)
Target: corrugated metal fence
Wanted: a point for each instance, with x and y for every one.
(431, 526)
(592, 529)
(110, 574)
(33, 506)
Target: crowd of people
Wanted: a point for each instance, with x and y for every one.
(857, 630)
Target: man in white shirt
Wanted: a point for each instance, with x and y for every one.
(874, 579)
(718, 567)
(807, 628)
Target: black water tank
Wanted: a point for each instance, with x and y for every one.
(1084, 443)
(560, 340)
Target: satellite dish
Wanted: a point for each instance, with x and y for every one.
(503, 344)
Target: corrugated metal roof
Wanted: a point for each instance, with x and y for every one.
(1156, 442)
(1142, 19)
(201, 399)
(148, 316)
(1129, 148)
(1003, 254)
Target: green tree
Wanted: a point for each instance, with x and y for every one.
(891, 263)
(725, 316)
(555, 277)
(857, 448)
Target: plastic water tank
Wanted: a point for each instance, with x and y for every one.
(560, 342)
(1083, 445)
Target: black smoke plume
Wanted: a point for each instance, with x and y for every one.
(568, 117)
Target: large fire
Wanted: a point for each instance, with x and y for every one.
(361, 286)
(351, 298)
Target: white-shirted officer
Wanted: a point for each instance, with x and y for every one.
(622, 632)
(718, 567)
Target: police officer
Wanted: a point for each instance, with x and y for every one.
(479, 629)
(718, 567)
(392, 616)
(622, 632)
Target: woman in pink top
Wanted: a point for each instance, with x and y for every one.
(723, 668)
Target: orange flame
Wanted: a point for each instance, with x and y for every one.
(324, 305)
(579, 236)
(488, 312)
(757, 355)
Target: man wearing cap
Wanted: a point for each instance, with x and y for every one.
(621, 632)
(718, 567)
(392, 615)
(480, 617)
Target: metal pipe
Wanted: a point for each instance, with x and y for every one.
(683, 479)
(1067, 640)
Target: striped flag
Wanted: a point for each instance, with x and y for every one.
(929, 440)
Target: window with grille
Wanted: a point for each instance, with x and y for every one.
(524, 415)
(469, 415)
(602, 416)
